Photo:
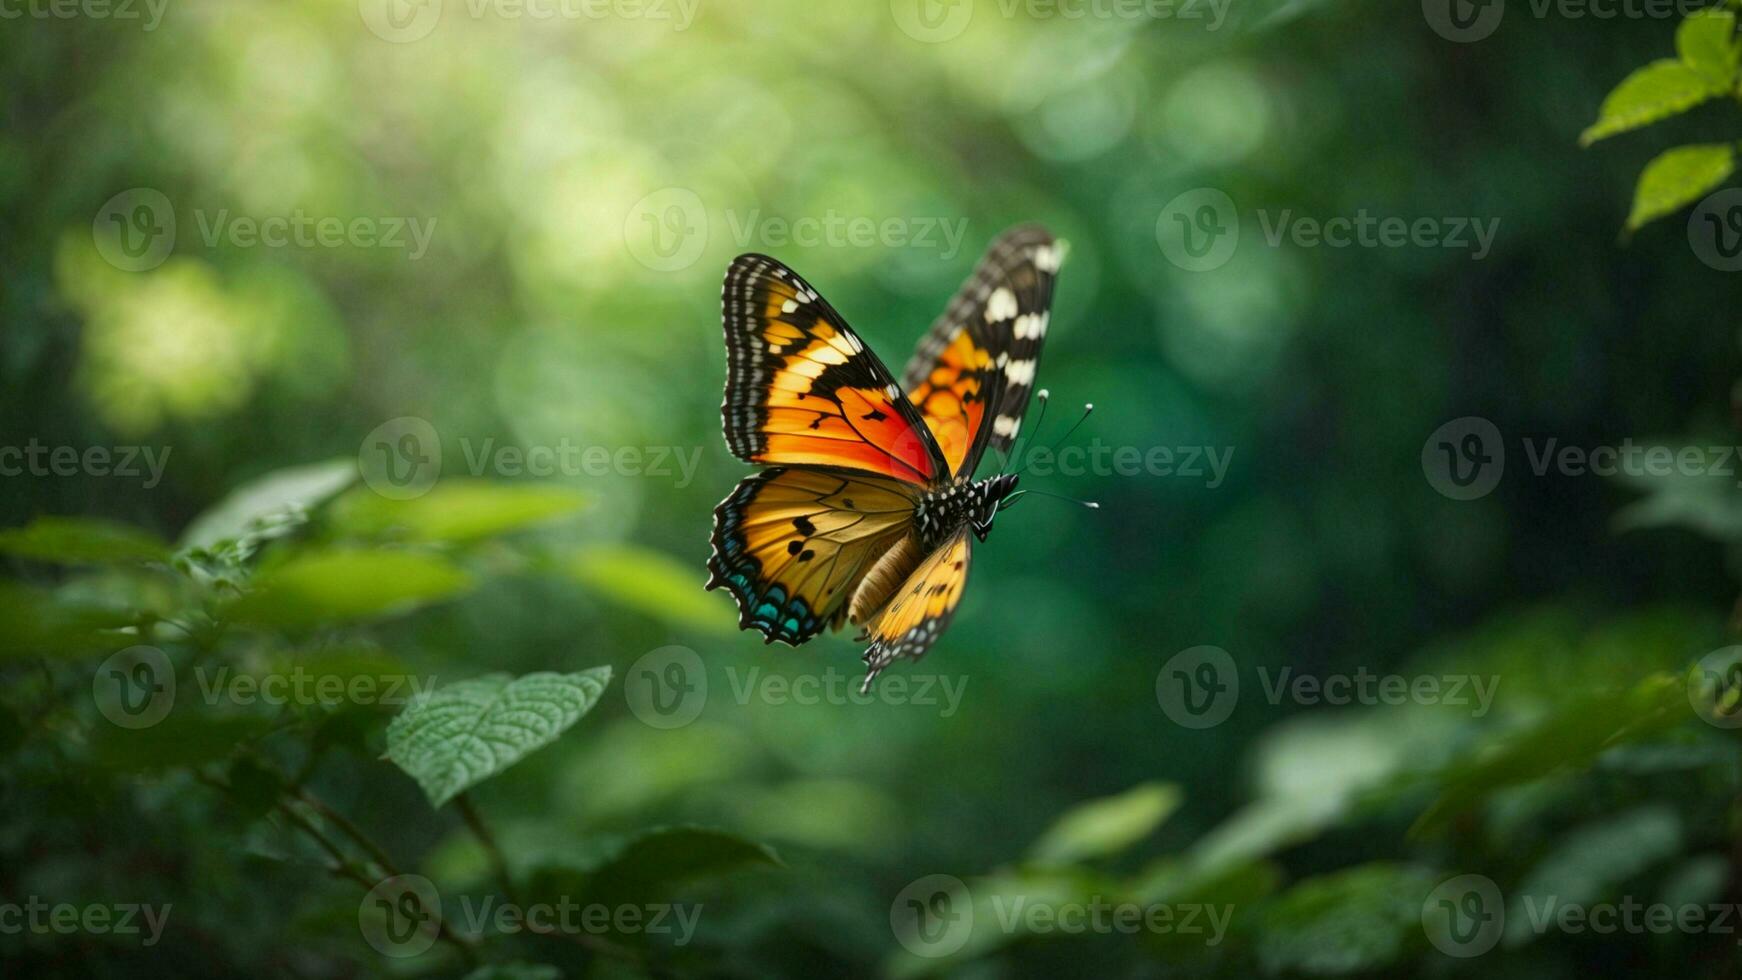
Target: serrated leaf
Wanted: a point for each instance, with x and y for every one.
(1106, 826)
(270, 500)
(1659, 90)
(455, 510)
(469, 731)
(653, 583)
(344, 585)
(1354, 921)
(1706, 41)
(81, 541)
(1679, 177)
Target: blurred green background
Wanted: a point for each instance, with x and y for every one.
(513, 227)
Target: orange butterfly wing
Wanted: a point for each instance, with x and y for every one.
(803, 390)
(972, 372)
(792, 544)
(920, 609)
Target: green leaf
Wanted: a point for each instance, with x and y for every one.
(41, 624)
(1570, 737)
(455, 510)
(343, 585)
(1679, 177)
(653, 583)
(1706, 42)
(1100, 828)
(81, 541)
(649, 866)
(1587, 862)
(1355, 921)
(1657, 91)
(280, 498)
(469, 731)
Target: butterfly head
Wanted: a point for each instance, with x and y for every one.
(990, 499)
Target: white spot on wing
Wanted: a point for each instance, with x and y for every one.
(1001, 305)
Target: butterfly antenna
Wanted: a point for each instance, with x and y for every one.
(1088, 409)
(1090, 504)
(1039, 420)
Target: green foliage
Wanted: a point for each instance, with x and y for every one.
(471, 730)
(1708, 66)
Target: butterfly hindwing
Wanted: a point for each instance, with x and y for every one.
(973, 371)
(803, 390)
(791, 544)
(920, 609)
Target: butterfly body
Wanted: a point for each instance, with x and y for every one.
(864, 512)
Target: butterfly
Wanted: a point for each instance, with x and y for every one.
(864, 510)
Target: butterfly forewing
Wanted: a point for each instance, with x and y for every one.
(974, 369)
(803, 390)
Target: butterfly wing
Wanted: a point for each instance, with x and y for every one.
(973, 371)
(920, 609)
(803, 390)
(791, 545)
